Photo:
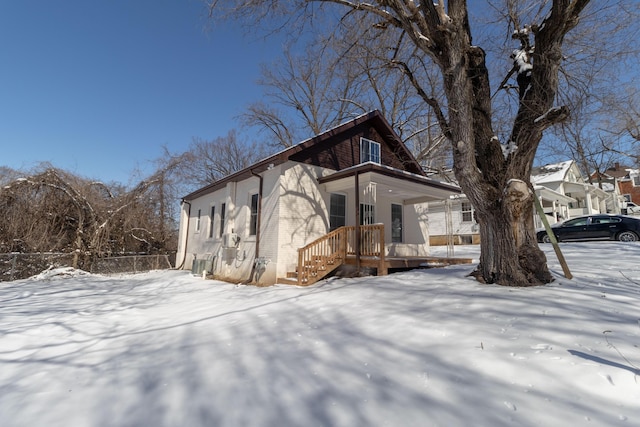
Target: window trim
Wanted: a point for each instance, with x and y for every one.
(394, 238)
(223, 216)
(253, 215)
(332, 225)
(198, 217)
(368, 143)
(468, 212)
(212, 216)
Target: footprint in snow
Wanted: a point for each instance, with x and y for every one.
(539, 348)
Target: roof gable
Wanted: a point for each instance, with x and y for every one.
(338, 148)
(557, 172)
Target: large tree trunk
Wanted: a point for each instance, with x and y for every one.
(496, 184)
(509, 251)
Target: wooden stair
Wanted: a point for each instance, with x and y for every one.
(315, 269)
(324, 255)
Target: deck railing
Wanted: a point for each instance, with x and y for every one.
(371, 240)
(322, 256)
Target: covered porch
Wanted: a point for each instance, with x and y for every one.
(589, 199)
(555, 205)
(378, 194)
(383, 224)
(361, 247)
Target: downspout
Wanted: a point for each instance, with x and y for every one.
(259, 220)
(186, 238)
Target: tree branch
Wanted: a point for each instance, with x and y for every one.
(432, 102)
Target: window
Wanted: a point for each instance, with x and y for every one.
(467, 212)
(575, 222)
(198, 220)
(369, 151)
(211, 217)
(222, 217)
(604, 220)
(636, 180)
(337, 211)
(367, 214)
(253, 221)
(396, 223)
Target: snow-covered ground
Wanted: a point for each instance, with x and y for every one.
(421, 348)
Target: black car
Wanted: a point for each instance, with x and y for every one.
(600, 226)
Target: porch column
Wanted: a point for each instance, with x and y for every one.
(357, 228)
(587, 198)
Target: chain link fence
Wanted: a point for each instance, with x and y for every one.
(130, 264)
(15, 266)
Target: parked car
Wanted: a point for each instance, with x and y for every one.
(591, 227)
(631, 208)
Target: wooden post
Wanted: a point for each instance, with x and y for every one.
(357, 248)
(300, 267)
(552, 237)
(382, 269)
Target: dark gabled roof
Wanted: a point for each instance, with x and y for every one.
(374, 118)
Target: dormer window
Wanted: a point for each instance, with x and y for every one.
(369, 151)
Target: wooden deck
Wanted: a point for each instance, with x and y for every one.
(392, 263)
(408, 262)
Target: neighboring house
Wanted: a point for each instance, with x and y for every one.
(566, 179)
(354, 183)
(453, 221)
(560, 187)
(626, 182)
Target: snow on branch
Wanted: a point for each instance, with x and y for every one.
(508, 149)
(522, 61)
(552, 116)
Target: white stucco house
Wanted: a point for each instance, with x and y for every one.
(566, 193)
(560, 187)
(353, 194)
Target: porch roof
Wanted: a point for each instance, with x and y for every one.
(574, 187)
(408, 187)
(548, 194)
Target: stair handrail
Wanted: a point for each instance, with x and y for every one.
(318, 251)
(320, 248)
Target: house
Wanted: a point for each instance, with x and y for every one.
(626, 182)
(566, 179)
(560, 188)
(353, 194)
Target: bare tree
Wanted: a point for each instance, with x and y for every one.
(55, 211)
(339, 78)
(492, 165)
(307, 95)
(207, 161)
(622, 125)
(7, 175)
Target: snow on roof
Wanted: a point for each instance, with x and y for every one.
(550, 173)
(608, 187)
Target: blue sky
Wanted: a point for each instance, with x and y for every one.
(98, 87)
